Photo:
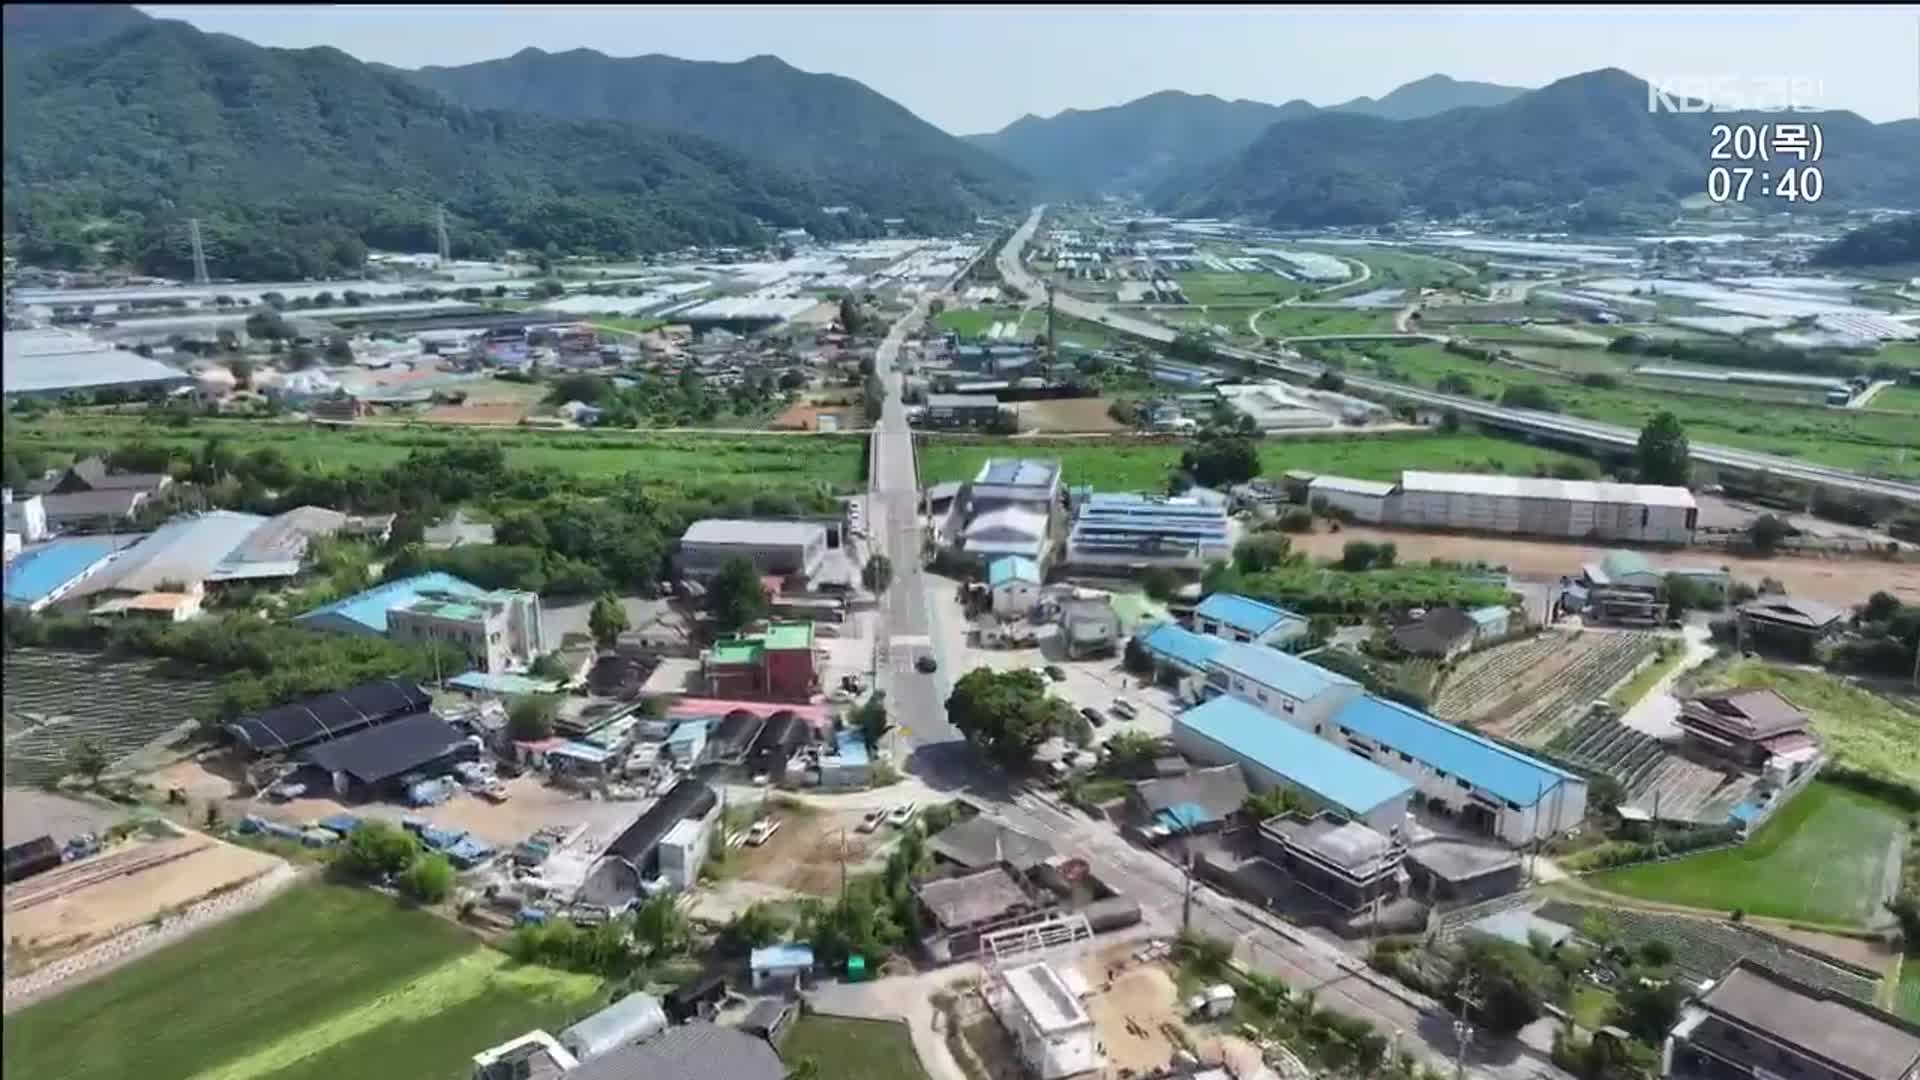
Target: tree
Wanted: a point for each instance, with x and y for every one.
(1330, 380)
(1273, 802)
(1222, 460)
(1007, 714)
(1159, 582)
(429, 879)
(1136, 659)
(1528, 396)
(1450, 421)
(870, 719)
(268, 326)
(377, 850)
(607, 620)
(660, 928)
(548, 666)
(1648, 1012)
(1766, 531)
(339, 350)
(1881, 607)
(804, 1069)
(851, 318)
(735, 598)
(1663, 453)
(531, 718)
(1131, 753)
(1455, 383)
(1261, 551)
(89, 759)
(1509, 981)
(547, 290)
(1358, 555)
(877, 574)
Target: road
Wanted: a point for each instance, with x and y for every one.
(1868, 394)
(942, 766)
(1014, 272)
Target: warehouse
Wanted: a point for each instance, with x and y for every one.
(1249, 621)
(773, 547)
(1128, 531)
(1229, 731)
(1571, 509)
(49, 362)
(327, 716)
(961, 410)
(376, 755)
(1366, 500)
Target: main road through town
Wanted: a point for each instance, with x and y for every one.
(1014, 272)
(907, 629)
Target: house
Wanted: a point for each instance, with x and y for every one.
(776, 663)
(1789, 623)
(364, 614)
(1624, 587)
(1200, 801)
(781, 967)
(1015, 584)
(1756, 729)
(1232, 732)
(982, 841)
(1443, 632)
(1090, 627)
(1344, 862)
(1049, 1026)
(500, 630)
(695, 1051)
(161, 606)
(1244, 619)
(1756, 1023)
(632, 1019)
(26, 518)
(634, 855)
(958, 910)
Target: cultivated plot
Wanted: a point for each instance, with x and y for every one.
(56, 700)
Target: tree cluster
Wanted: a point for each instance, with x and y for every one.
(1007, 714)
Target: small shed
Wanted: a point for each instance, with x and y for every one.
(851, 766)
(781, 966)
(1015, 584)
(630, 1020)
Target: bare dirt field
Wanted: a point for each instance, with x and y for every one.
(1129, 1013)
(56, 913)
(28, 814)
(807, 853)
(1839, 581)
(1067, 415)
(505, 413)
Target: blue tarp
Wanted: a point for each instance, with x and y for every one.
(340, 823)
(469, 852)
(1185, 815)
(440, 839)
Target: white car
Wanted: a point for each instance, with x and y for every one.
(762, 831)
(900, 815)
(872, 820)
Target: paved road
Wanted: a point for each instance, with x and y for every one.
(1013, 270)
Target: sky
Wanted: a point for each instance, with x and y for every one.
(972, 69)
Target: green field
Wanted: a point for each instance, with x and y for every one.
(854, 1049)
(1393, 269)
(1234, 288)
(1308, 322)
(1906, 997)
(1130, 465)
(1591, 1006)
(975, 322)
(1869, 441)
(324, 981)
(1901, 399)
(1821, 859)
(1861, 730)
(760, 460)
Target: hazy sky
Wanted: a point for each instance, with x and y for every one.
(977, 69)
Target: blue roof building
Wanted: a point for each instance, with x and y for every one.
(1258, 672)
(1242, 618)
(1176, 646)
(1123, 529)
(1012, 568)
(1274, 752)
(365, 613)
(43, 573)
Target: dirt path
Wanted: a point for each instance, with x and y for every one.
(1839, 581)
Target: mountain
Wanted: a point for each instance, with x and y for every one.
(859, 146)
(1587, 142)
(1893, 242)
(1135, 146)
(295, 160)
(38, 27)
(1430, 96)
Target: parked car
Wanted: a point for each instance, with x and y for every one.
(900, 815)
(1053, 672)
(1093, 716)
(872, 820)
(926, 665)
(850, 683)
(1124, 710)
(762, 831)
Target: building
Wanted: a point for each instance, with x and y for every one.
(278, 548)
(981, 841)
(1787, 623)
(785, 548)
(634, 856)
(1366, 500)
(162, 605)
(1285, 686)
(1200, 801)
(1049, 1026)
(1008, 509)
(499, 630)
(51, 361)
(959, 910)
(683, 849)
(1244, 619)
(1443, 633)
(694, 1051)
(634, 1018)
(776, 663)
(44, 574)
(1089, 626)
(1537, 506)
(962, 410)
(1623, 587)
(1756, 1023)
(178, 556)
(849, 765)
(1343, 862)
(302, 723)
(1229, 731)
(1755, 729)
(1132, 532)
(375, 756)
(533, 1056)
(780, 967)
(26, 517)
(365, 613)
(1177, 650)
(1015, 585)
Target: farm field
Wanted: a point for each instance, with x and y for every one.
(1865, 440)
(1236, 289)
(1822, 858)
(1862, 730)
(854, 1049)
(745, 459)
(1906, 997)
(56, 698)
(975, 322)
(1067, 415)
(1900, 399)
(1394, 269)
(1308, 322)
(1528, 690)
(322, 981)
(1134, 465)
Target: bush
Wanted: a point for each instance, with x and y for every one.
(429, 879)
(377, 851)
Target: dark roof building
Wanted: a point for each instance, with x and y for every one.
(983, 841)
(1757, 1022)
(1201, 799)
(328, 716)
(379, 754)
(1441, 632)
(1750, 726)
(697, 1051)
(634, 855)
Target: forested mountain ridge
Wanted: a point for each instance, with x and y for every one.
(1430, 96)
(295, 160)
(1586, 142)
(1894, 242)
(857, 145)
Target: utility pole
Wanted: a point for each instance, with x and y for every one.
(1186, 900)
(199, 252)
(1053, 347)
(440, 226)
(1462, 1030)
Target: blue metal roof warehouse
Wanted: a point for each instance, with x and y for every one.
(365, 613)
(1175, 644)
(1262, 742)
(1485, 764)
(1280, 671)
(42, 573)
(1245, 614)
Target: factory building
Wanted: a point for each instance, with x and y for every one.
(1532, 506)
(1008, 509)
(1366, 500)
(773, 547)
(1130, 531)
(500, 630)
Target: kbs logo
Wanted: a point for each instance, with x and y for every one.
(1734, 93)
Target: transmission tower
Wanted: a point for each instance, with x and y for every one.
(440, 225)
(199, 252)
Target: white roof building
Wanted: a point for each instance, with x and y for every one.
(1055, 1035)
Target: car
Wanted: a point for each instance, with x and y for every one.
(850, 683)
(1055, 673)
(762, 831)
(1124, 710)
(900, 815)
(1093, 716)
(926, 665)
(872, 820)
